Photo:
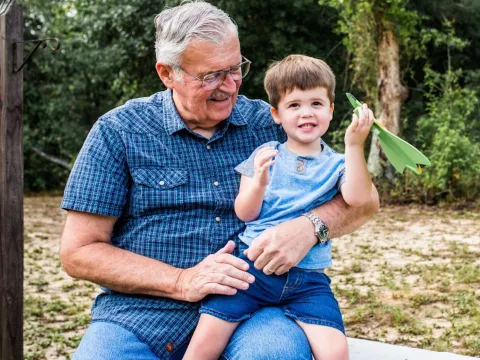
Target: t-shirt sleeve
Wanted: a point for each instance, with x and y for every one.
(98, 182)
(247, 167)
(341, 174)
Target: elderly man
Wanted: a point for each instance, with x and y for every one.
(150, 202)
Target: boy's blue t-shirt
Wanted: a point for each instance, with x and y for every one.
(297, 184)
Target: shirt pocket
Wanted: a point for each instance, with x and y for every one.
(159, 189)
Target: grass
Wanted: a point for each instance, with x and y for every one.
(411, 276)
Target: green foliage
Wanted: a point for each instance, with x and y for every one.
(445, 133)
(107, 57)
(363, 23)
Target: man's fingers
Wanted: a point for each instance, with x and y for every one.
(223, 258)
(262, 260)
(282, 269)
(224, 279)
(256, 248)
(228, 248)
(214, 288)
(235, 273)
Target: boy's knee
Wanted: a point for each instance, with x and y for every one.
(334, 350)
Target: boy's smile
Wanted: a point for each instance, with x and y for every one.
(305, 116)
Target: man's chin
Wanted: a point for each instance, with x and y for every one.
(221, 112)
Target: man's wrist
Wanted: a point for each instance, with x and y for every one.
(178, 290)
(312, 238)
(320, 228)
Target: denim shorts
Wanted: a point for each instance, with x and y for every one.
(303, 295)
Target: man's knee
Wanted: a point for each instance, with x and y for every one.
(268, 335)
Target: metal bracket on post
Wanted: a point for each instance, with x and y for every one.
(40, 42)
(4, 6)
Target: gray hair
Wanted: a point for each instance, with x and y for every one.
(193, 20)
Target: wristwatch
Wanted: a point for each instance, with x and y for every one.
(321, 230)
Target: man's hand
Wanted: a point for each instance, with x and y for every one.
(219, 273)
(281, 247)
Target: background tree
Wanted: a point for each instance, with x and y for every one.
(107, 57)
(374, 31)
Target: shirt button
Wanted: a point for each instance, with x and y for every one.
(215, 183)
(300, 162)
(217, 219)
(208, 147)
(299, 169)
(169, 347)
(162, 182)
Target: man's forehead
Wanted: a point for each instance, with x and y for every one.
(208, 56)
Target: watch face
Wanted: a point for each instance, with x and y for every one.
(322, 232)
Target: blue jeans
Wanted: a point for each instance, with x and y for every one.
(268, 335)
(303, 295)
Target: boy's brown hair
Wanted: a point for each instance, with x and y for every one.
(298, 72)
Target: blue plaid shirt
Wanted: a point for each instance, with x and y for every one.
(173, 192)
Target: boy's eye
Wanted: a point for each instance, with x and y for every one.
(293, 105)
(317, 103)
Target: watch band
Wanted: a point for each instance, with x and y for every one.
(321, 230)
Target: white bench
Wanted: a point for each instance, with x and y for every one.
(372, 350)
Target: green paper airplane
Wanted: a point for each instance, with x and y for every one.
(399, 152)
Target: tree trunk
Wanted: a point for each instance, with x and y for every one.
(11, 183)
(391, 95)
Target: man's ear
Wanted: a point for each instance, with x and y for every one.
(275, 117)
(165, 73)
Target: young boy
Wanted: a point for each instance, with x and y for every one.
(284, 181)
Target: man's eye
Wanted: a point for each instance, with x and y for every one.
(212, 77)
(236, 69)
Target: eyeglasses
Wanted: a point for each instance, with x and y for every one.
(214, 80)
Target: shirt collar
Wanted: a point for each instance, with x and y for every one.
(174, 123)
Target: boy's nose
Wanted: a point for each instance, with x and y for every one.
(307, 113)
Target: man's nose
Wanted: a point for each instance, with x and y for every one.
(229, 85)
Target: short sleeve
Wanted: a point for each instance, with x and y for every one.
(341, 176)
(98, 182)
(247, 167)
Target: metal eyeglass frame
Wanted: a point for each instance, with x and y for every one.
(223, 72)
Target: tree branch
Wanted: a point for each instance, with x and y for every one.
(52, 158)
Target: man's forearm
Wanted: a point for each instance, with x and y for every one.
(123, 271)
(342, 219)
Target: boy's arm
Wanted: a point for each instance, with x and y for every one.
(281, 247)
(250, 197)
(248, 202)
(356, 190)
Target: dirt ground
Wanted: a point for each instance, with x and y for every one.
(410, 276)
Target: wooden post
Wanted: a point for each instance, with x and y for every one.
(11, 185)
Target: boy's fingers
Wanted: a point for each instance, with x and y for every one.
(354, 123)
(267, 165)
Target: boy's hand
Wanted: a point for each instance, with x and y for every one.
(358, 130)
(262, 163)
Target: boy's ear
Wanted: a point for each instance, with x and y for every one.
(275, 117)
(165, 73)
(332, 106)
